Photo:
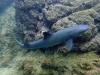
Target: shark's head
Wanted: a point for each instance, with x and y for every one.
(80, 29)
(83, 28)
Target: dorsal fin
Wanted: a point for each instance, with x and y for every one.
(46, 34)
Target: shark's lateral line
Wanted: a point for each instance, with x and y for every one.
(61, 36)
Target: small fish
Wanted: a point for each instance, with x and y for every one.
(65, 35)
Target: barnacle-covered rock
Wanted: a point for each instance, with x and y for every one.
(81, 17)
(29, 18)
(94, 44)
(57, 11)
(97, 8)
(32, 15)
(62, 23)
(97, 21)
(85, 17)
(64, 8)
(27, 4)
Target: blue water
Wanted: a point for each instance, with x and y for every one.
(4, 4)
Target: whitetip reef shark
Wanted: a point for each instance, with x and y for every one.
(65, 35)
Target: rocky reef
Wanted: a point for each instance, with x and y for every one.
(34, 17)
(29, 18)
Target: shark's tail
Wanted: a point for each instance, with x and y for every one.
(19, 43)
(17, 39)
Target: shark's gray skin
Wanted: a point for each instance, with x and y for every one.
(61, 36)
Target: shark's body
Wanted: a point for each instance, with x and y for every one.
(61, 36)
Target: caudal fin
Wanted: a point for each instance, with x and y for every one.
(19, 43)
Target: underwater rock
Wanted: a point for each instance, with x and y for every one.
(65, 8)
(28, 4)
(32, 16)
(62, 23)
(94, 44)
(85, 17)
(29, 17)
(97, 8)
(58, 11)
(89, 4)
(97, 21)
(82, 17)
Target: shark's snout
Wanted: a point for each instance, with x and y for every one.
(83, 28)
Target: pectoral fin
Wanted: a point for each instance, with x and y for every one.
(69, 44)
